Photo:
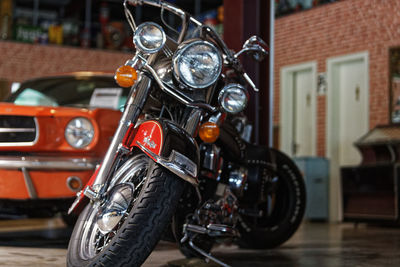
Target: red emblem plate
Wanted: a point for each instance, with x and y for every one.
(149, 135)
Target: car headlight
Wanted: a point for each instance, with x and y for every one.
(197, 64)
(233, 98)
(79, 132)
(149, 37)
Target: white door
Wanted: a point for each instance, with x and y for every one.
(302, 113)
(353, 109)
(347, 118)
(298, 110)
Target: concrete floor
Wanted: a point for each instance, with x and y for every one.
(39, 242)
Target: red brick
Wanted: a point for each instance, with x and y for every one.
(335, 29)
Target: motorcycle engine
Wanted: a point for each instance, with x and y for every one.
(221, 211)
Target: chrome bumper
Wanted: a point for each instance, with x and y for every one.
(41, 163)
(25, 164)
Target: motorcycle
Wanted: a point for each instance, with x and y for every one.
(180, 166)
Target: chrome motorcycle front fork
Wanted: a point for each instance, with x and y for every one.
(133, 109)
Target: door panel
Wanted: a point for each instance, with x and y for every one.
(302, 113)
(347, 118)
(298, 109)
(353, 99)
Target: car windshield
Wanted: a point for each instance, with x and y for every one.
(79, 91)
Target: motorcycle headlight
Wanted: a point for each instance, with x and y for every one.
(197, 64)
(149, 37)
(233, 98)
(79, 132)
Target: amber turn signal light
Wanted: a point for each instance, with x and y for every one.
(74, 183)
(209, 132)
(125, 76)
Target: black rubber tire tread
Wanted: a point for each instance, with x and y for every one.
(271, 238)
(143, 228)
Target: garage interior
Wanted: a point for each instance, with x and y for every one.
(319, 51)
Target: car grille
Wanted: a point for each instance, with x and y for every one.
(17, 130)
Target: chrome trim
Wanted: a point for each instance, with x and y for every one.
(250, 82)
(137, 62)
(115, 207)
(222, 230)
(193, 121)
(254, 44)
(133, 108)
(216, 118)
(171, 8)
(207, 30)
(167, 51)
(29, 184)
(37, 163)
(6, 144)
(180, 98)
(17, 130)
(176, 163)
(91, 193)
(214, 230)
(76, 202)
(207, 255)
(211, 156)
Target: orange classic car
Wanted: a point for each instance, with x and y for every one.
(53, 133)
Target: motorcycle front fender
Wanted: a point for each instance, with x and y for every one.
(164, 142)
(167, 144)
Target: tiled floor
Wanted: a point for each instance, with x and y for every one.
(43, 243)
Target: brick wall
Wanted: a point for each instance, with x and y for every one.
(23, 61)
(336, 29)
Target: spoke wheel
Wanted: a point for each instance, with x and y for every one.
(134, 223)
(132, 171)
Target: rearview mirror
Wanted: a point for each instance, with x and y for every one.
(255, 47)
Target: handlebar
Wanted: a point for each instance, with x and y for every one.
(186, 18)
(161, 4)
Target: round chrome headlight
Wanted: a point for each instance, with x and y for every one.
(149, 37)
(197, 64)
(233, 98)
(79, 132)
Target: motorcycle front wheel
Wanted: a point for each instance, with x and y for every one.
(134, 234)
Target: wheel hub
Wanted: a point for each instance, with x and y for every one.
(115, 207)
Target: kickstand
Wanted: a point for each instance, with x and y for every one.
(208, 256)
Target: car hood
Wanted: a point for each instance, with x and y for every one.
(18, 110)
